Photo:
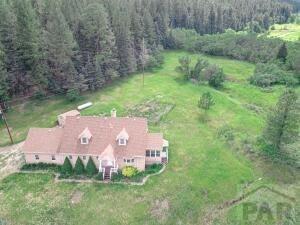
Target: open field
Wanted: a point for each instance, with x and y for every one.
(204, 171)
(287, 32)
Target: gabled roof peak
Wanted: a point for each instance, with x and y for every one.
(123, 135)
(86, 133)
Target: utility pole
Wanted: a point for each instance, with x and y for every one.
(143, 61)
(5, 122)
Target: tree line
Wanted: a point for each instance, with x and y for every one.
(77, 45)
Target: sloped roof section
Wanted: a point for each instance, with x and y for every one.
(155, 141)
(123, 135)
(86, 133)
(105, 131)
(43, 140)
(108, 153)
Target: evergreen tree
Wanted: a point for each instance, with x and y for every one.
(3, 78)
(200, 65)
(60, 47)
(79, 167)
(29, 51)
(206, 101)
(67, 168)
(91, 168)
(283, 123)
(185, 66)
(282, 53)
(121, 27)
(212, 21)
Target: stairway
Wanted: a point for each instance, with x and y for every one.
(107, 173)
(164, 160)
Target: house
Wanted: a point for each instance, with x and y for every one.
(112, 142)
(61, 119)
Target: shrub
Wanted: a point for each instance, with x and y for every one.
(226, 132)
(206, 101)
(268, 74)
(67, 168)
(129, 171)
(154, 168)
(215, 76)
(73, 95)
(99, 176)
(41, 166)
(79, 167)
(91, 168)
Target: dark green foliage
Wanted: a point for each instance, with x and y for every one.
(185, 66)
(55, 46)
(269, 74)
(206, 101)
(91, 168)
(215, 76)
(282, 53)
(79, 167)
(73, 95)
(67, 168)
(3, 78)
(282, 129)
(197, 71)
(41, 166)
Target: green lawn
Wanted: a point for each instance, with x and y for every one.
(203, 171)
(287, 32)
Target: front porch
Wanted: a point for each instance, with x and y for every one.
(107, 168)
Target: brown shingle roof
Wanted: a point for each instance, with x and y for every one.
(155, 141)
(43, 140)
(104, 132)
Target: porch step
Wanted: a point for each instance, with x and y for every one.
(164, 160)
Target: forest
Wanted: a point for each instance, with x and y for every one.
(71, 46)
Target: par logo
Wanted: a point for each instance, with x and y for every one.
(267, 205)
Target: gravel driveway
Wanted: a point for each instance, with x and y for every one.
(11, 159)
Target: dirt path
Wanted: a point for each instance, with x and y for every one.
(10, 159)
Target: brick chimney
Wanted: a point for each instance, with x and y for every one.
(113, 112)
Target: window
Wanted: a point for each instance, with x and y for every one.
(53, 157)
(84, 141)
(122, 141)
(84, 157)
(37, 157)
(152, 153)
(164, 149)
(148, 153)
(157, 153)
(70, 157)
(97, 157)
(128, 161)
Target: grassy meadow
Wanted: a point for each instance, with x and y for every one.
(287, 32)
(204, 170)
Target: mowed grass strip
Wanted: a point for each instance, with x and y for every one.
(203, 171)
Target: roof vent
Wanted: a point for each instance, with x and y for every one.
(113, 112)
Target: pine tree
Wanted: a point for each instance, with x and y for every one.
(3, 78)
(60, 47)
(121, 27)
(212, 21)
(282, 53)
(79, 167)
(91, 168)
(29, 51)
(283, 123)
(206, 101)
(67, 168)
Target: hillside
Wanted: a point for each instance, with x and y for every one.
(205, 170)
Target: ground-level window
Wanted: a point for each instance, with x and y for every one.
(53, 157)
(37, 157)
(84, 157)
(70, 157)
(148, 153)
(152, 153)
(97, 157)
(128, 161)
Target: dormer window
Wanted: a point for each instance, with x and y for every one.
(122, 137)
(85, 136)
(84, 141)
(122, 141)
